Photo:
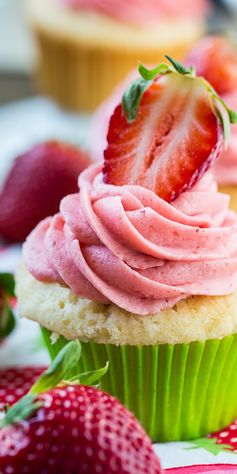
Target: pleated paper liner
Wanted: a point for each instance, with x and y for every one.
(178, 392)
(80, 76)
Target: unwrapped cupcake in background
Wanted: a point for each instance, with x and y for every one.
(87, 46)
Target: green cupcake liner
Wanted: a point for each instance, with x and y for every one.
(178, 392)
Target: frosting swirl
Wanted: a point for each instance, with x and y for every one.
(141, 12)
(124, 244)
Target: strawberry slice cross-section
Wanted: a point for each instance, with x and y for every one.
(171, 140)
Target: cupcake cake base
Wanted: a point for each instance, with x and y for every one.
(180, 389)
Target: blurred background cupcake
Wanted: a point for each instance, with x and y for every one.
(87, 46)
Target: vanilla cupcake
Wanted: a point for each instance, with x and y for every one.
(141, 264)
(86, 47)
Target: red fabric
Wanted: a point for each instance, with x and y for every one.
(203, 469)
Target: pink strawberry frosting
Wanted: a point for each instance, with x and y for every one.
(140, 12)
(124, 244)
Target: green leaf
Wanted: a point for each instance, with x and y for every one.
(232, 116)
(7, 319)
(132, 98)
(150, 74)
(89, 378)
(7, 283)
(178, 67)
(225, 114)
(210, 445)
(62, 365)
(21, 410)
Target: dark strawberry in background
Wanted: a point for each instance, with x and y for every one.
(37, 181)
(62, 426)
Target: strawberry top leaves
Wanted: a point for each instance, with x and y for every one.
(58, 373)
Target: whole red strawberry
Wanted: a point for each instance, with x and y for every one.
(167, 131)
(37, 182)
(72, 429)
(215, 58)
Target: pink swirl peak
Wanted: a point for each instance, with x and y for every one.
(141, 12)
(124, 244)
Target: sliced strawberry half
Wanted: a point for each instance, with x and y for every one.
(174, 138)
(215, 58)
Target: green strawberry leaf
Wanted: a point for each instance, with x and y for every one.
(178, 67)
(210, 445)
(20, 410)
(150, 74)
(59, 370)
(65, 361)
(89, 378)
(7, 319)
(232, 115)
(7, 283)
(132, 98)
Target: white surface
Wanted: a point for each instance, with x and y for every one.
(16, 45)
(27, 122)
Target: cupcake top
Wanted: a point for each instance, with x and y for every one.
(150, 228)
(140, 12)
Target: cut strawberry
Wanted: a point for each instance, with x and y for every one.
(172, 140)
(215, 58)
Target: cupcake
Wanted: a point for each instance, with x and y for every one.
(141, 264)
(86, 47)
(215, 58)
